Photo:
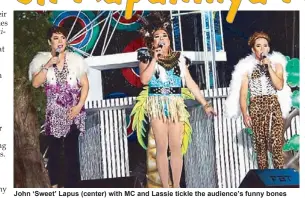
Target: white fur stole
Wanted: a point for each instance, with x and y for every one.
(76, 66)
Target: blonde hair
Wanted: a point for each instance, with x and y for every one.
(256, 36)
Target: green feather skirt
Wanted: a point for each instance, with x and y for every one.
(166, 108)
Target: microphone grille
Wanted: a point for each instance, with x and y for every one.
(263, 55)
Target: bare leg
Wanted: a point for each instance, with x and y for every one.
(160, 130)
(175, 140)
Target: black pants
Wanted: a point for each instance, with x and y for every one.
(63, 162)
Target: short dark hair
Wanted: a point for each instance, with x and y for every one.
(58, 30)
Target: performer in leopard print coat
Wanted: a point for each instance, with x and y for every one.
(263, 74)
(63, 75)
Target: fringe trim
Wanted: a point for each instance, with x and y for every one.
(166, 108)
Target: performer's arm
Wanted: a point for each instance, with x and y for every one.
(243, 100)
(146, 71)
(84, 83)
(277, 76)
(193, 87)
(40, 77)
(243, 95)
(85, 89)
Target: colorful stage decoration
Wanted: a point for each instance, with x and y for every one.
(85, 19)
(218, 31)
(126, 24)
(293, 79)
(215, 18)
(176, 32)
(131, 135)
(132, 74)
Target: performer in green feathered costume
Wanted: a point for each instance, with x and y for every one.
(165, 74)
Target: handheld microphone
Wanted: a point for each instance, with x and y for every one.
(161, 44)
(263, 56)
(56, 54)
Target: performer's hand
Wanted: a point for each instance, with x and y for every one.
(52, 61)
(266, 61)
(247, 121)
(210, 111)
(157, 53)
(74, 111)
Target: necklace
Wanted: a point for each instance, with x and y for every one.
(61, 76)
(168, 62)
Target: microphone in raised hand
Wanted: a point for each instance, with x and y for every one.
(57, 54)
(264, 65)
(263, 56)
(160, 45)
